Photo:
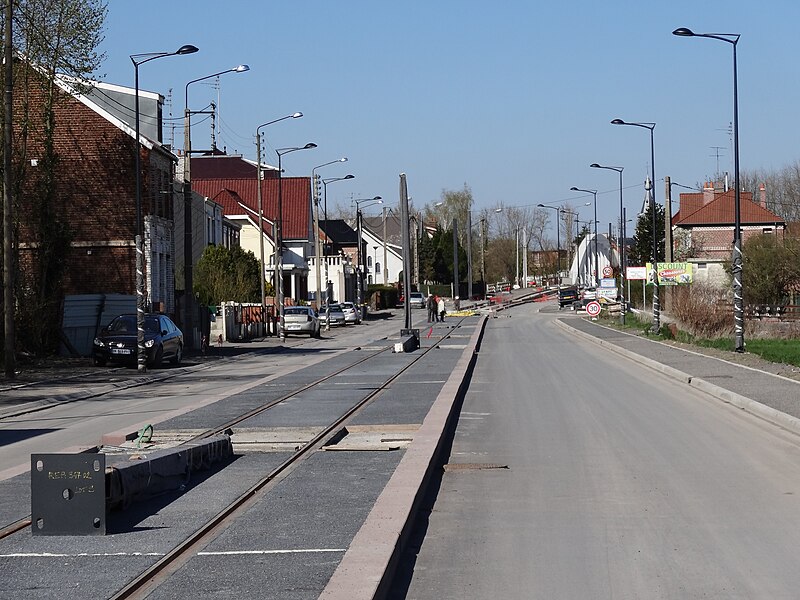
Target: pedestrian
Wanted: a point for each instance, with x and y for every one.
(431, 305)
(440, 306)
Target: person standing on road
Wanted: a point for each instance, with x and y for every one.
(440, 306)
(431, 305)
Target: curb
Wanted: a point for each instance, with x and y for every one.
(744, 403)
(367, 568)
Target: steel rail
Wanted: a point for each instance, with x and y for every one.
(160, 571)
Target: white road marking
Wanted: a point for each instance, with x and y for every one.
(299, 551)
(134, 554)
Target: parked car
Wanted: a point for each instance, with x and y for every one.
(416, 300)
(117, 342)
(589, 294)
(352, 316)
(301, 320)
(336, 313)
(567, 296)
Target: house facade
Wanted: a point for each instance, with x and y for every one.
(702, 229)
(94, 200)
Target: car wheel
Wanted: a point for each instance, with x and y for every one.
(176, 360)
(158, 356)
(99, 362)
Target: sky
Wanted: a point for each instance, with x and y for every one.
(512, 98)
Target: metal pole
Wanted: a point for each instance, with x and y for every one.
(279, 253)
(656, 303)
(406, 242)
(141, 352)
(469, 255)
(359, 270)
(455, 258)
(261, 232)
(622, 273)
(385, 250)
(483, 259)
(738, 307)
(596, 253)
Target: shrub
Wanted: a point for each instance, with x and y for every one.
(702, 310)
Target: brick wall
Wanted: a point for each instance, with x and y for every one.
(96, 198)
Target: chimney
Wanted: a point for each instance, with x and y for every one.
(762, 195)
(708, 192)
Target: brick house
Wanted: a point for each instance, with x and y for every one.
(95, 188)
(702, 230)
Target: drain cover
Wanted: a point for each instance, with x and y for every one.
(472, 466)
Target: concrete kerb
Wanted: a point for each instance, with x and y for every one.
(749, 405)
(367, 568)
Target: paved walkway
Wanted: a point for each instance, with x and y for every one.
(768, 395)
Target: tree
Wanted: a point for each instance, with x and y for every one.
(771, 268)
(642, 250)
(225, 274)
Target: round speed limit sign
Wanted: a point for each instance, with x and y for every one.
(593, 309)
(608, 272)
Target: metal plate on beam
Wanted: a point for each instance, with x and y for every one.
(68, 494)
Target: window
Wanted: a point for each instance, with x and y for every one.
(377, 268)
(767, 230)
(701, 266)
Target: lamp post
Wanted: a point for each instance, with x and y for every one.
(188, 325)
(279, 235)
(738, 307)
(375, 263)
(558, 241)
(259, 192)
(139, 59)
(596, 253)
(328, 283)
(622, 263)
(315, 181)
(656, 304)
(359, 254)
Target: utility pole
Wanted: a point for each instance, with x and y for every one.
(385, 251)
(8, 262)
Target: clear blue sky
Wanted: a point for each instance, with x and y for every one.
(513, 98)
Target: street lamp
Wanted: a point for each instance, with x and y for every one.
(656, 304)
(622, 239)
(359, 256)
(315, 179)
(558, 241)
(188, 325)
(139, 59)
(279, 235)
(738, 308)
(328, 283)
(596, 253)
(296, 115)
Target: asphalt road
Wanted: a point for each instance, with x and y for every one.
(620, 483)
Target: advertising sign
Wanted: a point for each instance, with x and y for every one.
(671, 273)
(634, 273)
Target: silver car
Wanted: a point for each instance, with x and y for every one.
(351, 314)
(337, 315)
(301, 320)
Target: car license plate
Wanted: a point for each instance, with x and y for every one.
(293, 327)
(120, 351)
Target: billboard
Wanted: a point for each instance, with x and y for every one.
(670, 273)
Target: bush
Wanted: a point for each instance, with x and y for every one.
(702, 310)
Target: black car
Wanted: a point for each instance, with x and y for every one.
(567, 296)
(117, 342)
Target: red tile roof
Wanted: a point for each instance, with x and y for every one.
(720, 210)
(296, 200)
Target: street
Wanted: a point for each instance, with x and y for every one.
(620, 483)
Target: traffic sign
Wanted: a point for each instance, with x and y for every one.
(593, 309)
(608, 271)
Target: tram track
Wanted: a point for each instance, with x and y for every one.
(170, 563)
(320, 439)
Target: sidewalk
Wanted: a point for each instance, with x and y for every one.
(768, 390)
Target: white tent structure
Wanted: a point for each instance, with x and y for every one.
(583, 270)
